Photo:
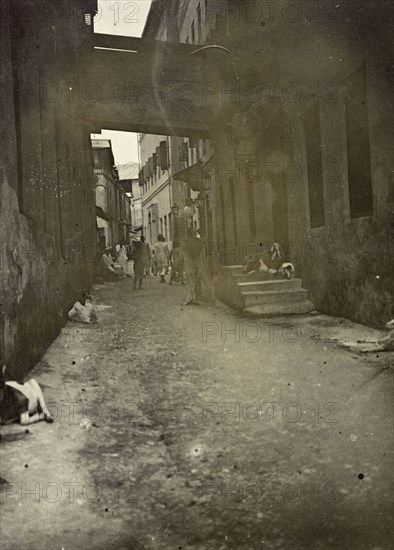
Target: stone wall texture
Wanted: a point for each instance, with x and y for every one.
(47, 219)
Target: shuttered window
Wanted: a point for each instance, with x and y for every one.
(358, 148)
(163, 155)
(314, 166)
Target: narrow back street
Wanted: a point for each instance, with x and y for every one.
(196, 275)
(194, 428)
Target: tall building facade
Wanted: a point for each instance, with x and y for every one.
(128, 178)
(171, 203)
(113, 205)
(156, 188)
(301, 140)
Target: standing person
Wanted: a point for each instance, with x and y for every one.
(138, 257)
(121, 257)
(177, 264)
(153, 263)
(129, 263)
(162, 257)
(197, 275)
(147, 255)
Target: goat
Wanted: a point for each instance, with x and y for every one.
(83, 312)
(23, 402)
(383, 344)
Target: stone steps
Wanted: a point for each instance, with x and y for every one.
(298, 308)
(266, 297)
(279, 284)
(263, 293)
(242, 277)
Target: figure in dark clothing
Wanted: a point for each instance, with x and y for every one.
(146, 251)
(139, 262)
(177, 264)
(198, 277)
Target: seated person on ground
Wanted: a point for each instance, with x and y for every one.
(109, 266)
(272, 261)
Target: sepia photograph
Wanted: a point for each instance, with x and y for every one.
(196, 275)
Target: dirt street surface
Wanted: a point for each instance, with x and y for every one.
(193, 428)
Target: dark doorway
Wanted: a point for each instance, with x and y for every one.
(280, 212)
(209, 232)
(221, 237)
(314, 166)
(233, 209)
(358, 149)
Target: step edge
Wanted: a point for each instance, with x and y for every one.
(271, 292)
(280, 281)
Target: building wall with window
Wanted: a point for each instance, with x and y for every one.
(345, 237)
(156, 188)
(187, 22)
(113, 217)
(135, 204)
(324, 191)
(193, 22)
(312, 169)
(302, 158)
(129, 181)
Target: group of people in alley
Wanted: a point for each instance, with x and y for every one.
(186, 263)
(183, 262)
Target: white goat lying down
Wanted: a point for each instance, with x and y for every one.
(383, 344)
(23, 402)
(83, 312)
(371, 346)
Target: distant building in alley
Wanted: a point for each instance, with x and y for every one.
(128, 178)
(156, 188)
(113, 205)
(170, 188)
